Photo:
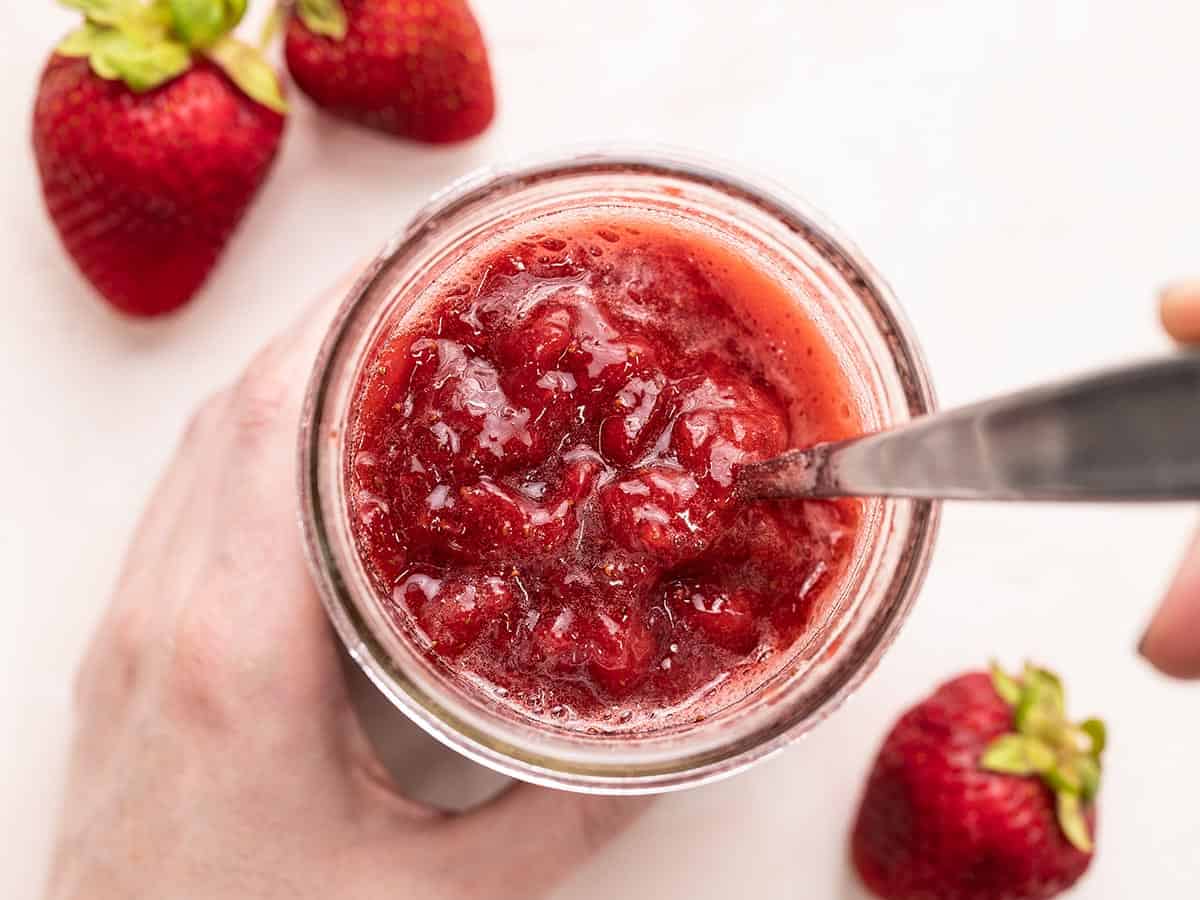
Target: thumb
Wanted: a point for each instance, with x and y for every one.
(1172, 642)
(529, 839)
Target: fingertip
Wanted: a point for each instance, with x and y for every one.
(1167, 657)
(1171, 643)
(1179, 310)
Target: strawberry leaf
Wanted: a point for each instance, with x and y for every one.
(118, 55)
(1016, 754)
(1089, 777)
(1031, 715)
(81, 41)
(1064, 778)
(325, 17)
(1005, 685)
(1048, 686)
(200, 23)
(1040, 709)
(1072, 822)
(104, 12)
(250, 71)
(1094, 729)
(147, 22)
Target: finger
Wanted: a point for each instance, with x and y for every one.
(219, 577)
(530, 838)
(252, 631)
(1172, 642)
(151, 563)
(165, 510)
(1179, 308)
(171, 509)
(263, 608)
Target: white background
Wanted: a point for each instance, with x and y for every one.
(1025, 173)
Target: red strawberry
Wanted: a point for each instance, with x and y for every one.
(414, 69)
(150, 149)
(983, 791)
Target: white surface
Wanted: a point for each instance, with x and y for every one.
(1026, 175)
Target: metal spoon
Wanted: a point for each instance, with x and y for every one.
(1131, 433)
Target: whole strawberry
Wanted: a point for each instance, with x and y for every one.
(983, 791)
(414, 69)
(153, 129)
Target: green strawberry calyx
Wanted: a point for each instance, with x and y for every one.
(146, 43)
(324, 17)
(1045, 744)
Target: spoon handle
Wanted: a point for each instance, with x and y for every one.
(1131, 433)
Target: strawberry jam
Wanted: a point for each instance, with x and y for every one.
(542, 458)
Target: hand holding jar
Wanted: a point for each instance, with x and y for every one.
(216, 751)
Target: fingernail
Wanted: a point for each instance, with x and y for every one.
(1141, 644)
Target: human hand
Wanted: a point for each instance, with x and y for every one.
(216, 753)
(1172, 642)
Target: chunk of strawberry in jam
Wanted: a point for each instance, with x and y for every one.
(429, 516)
(579, 475)
(374, 511)
(784, 539)
(497, 521)
(794, 605)
(662, 511)
(639, 412)
(627, 581)
(458, 417)
(613, 581)
(758, 534)
(624, 650)
(538, 340)
(601, 355)
(726, 617)
(390, 372)
(490, 520)
(722, 424)
(453, 610)
(666, 283)
(558, 639)
(552, 399)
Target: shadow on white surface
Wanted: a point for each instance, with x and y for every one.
(851, 888)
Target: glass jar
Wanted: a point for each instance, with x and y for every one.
(859, 318)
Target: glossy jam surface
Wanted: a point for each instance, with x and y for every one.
(541, 462)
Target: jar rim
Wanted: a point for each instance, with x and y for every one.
(462, 732)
